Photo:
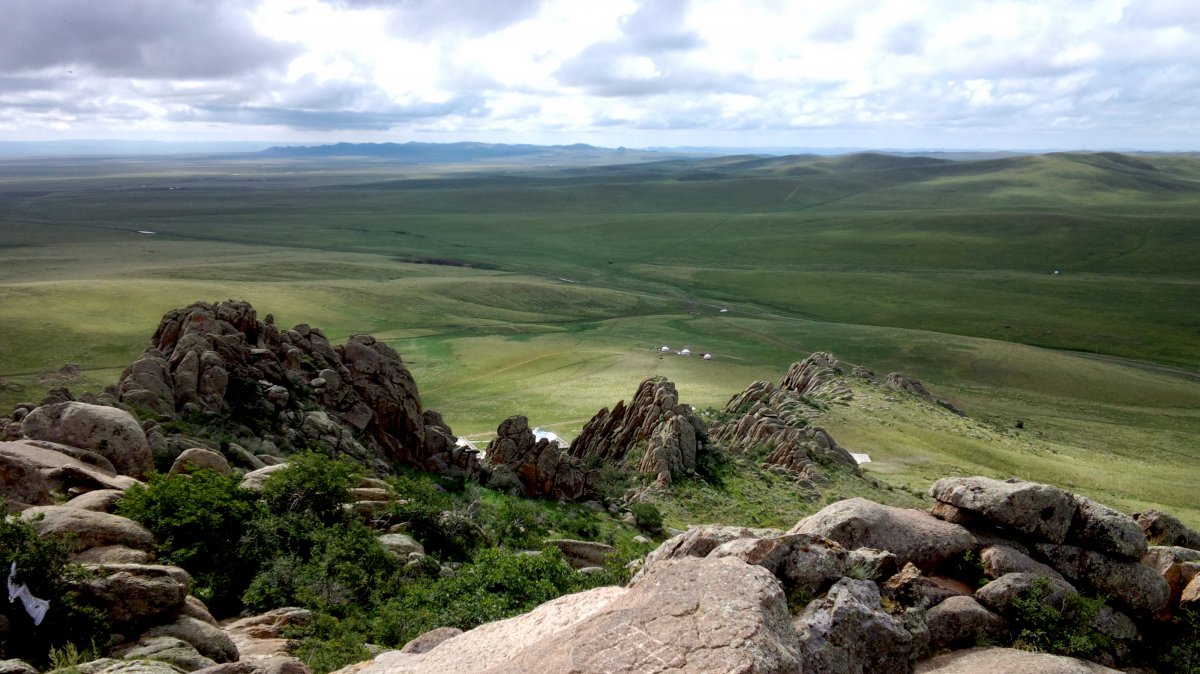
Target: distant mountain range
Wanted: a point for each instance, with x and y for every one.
(451, 153)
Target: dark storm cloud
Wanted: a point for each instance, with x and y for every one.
(652, 37)
(422, 19)
(180, 39)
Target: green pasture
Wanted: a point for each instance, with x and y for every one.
(548, 292)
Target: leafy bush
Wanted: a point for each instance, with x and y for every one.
(311, 483)
(329, 569)
(1176, 646)
(497, 584)
(42, 566)
(515, 523)
(649, 519)
(1041, 627)
(199, 520)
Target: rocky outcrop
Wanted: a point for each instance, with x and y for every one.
(1162, 528)
(655, 431)
(848, 631)
(197, 458)
(1039, 511)
(84, 529)
(33, 472)
(818, 377)
(685, 615)
(291, 386)
(110, 432)
(912, 535)
(779, 417)
(539, 468)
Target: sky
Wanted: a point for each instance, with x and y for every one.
(907, 74)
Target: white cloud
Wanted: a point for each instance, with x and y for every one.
(884, 72)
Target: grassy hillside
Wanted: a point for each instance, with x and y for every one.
(547, 291)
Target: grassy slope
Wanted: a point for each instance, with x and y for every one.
(881, 260)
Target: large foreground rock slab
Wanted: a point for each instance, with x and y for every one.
(685, 615)
(109, 431)
(1038, 510)
(976, 660)
(912, 535)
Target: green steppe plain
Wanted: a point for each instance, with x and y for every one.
(941, 269)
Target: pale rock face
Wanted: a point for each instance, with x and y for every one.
(91, 529)
(912, 535)
(975, 660)
(109, 431)
(699, 541)
(687, 615)
(210, 641)
(1038, 510)
(197, 458)
(136, 594)
(1000, 594)
(999, 560)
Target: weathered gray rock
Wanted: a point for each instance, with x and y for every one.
(196, 458)
(401, 545)
(210, 641)
(166, 649)
(33, 471)
(135, 593)
(962, 620)
(686, 615)
(194, 608)
(261, 637)
(254, 479)
(1000, 560)
(1100, 528)
(1000, 594)
(700, 540)
(912, 535)
(583, 554)
(800, 561)
(1039, 510)
(99, 500)
(430, 640)
(975, 660)
(910, 587)
(89, 529)
(1162, 528)
(112, 554)
(13, 666)
(109, 431)
(1131, 584)
(113, 666)
(848, 631)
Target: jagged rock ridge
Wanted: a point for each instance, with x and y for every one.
(290, 388)
(655, 430)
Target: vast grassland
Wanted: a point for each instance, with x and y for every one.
(547, 291)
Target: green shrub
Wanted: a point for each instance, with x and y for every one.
(328, 569)
(311, 483)
(649, 519)
(42, 566)
(515, 523)
(199, 521)
(1042, 627)
(1176, 645)
(497, 584)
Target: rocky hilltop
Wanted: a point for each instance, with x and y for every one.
(991, 571)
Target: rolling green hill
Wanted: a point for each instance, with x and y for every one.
(546, 290)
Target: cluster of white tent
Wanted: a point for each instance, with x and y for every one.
(686, 352)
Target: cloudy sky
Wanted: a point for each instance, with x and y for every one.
(1022, 74)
